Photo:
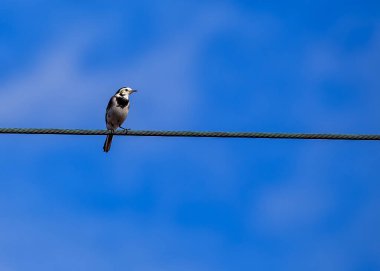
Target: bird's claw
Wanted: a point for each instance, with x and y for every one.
(125, 129)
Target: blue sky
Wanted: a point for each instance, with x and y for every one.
(190, 204)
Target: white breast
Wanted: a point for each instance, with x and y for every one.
(116, 116)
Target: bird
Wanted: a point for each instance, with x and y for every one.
(116, 113)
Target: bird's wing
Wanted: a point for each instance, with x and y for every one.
(110, 104)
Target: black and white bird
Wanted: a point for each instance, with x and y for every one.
(116, 112)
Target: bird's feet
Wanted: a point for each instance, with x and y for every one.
(125, 129)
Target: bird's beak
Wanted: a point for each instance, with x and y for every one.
(133, 90)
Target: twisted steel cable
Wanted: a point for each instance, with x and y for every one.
(191, 134)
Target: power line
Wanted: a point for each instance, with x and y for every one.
(190, 134)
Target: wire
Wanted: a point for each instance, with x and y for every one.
(190, 134)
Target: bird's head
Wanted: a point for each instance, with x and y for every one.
(125, 92)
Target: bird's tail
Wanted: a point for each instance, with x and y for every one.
(107, 143)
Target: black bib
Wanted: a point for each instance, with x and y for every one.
(121, 102)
